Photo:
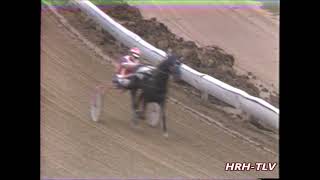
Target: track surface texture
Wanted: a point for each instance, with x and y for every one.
(72, 145)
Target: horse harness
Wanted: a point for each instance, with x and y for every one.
(144, 71)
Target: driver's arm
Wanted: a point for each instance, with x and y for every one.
(129, 65)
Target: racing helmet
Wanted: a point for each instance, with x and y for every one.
(135, 52)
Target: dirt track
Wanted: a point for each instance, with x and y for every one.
(74, 146)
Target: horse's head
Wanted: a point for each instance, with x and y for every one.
(171, 66)
(174, 67)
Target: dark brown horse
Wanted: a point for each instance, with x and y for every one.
(154, 87)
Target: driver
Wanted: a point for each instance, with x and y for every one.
(126, 67)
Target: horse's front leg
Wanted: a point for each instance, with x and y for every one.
(142, 105)
(164, 124)
(134, 107)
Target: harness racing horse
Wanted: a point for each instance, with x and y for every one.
(153, 81)
(154, 87)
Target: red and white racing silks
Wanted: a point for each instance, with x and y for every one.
(127, 64)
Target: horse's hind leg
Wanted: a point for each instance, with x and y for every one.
(142, 105)
(134, 107)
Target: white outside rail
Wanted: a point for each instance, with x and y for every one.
(254, 106)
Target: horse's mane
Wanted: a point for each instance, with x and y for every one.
(169, 61)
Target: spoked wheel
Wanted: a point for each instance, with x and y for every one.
(153, 114)
(96, 105)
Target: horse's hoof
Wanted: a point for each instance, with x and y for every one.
(166, 135)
